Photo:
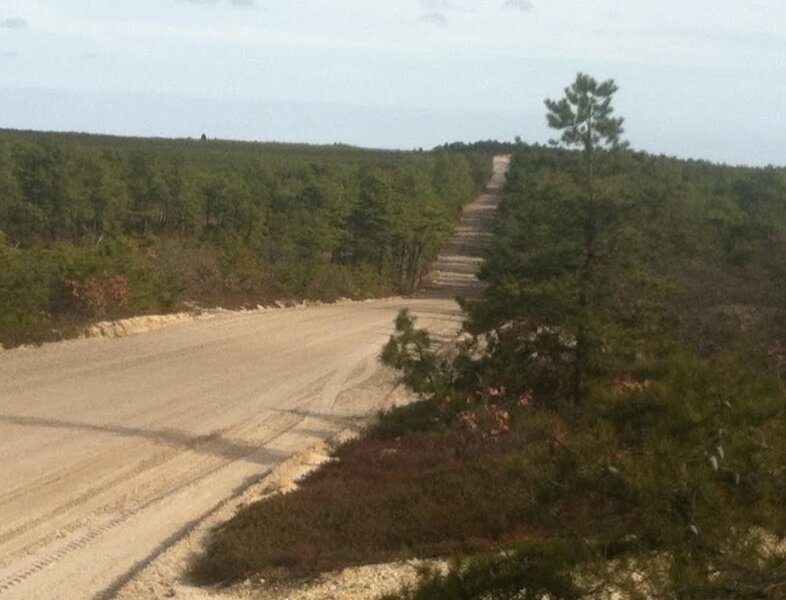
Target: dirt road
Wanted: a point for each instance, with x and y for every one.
(110, 449)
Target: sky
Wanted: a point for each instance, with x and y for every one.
(698, 78)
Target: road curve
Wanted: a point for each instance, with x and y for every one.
(109, 448)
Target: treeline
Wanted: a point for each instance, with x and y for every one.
(95, 226)
(487, 146)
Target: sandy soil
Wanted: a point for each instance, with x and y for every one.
(113, 450)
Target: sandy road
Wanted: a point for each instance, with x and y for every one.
(110, 448)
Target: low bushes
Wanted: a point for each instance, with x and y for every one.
(47, 292)
(386, 498)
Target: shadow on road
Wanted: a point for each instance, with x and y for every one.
(213, 444)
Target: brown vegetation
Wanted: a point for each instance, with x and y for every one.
(386, 497)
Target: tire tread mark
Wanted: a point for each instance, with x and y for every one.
(95, 531)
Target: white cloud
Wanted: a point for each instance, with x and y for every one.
(520, 5)
(235, 3)
(13, 23)
(442, 5)
(435, 18)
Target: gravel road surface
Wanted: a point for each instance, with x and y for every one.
(111, 448)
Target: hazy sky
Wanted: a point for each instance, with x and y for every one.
(702, 78)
